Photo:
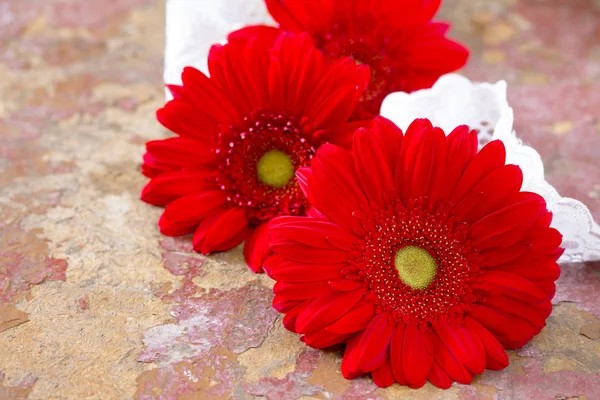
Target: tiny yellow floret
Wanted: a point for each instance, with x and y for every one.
(417, 268)
(275, 168)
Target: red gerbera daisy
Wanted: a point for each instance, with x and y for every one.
(242, 133)
(426, 258)
(396, 38)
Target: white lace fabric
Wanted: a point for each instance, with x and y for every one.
(454, 100)
(194, 25)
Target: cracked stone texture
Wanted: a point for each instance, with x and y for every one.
(95, 304)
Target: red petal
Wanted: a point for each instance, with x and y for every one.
(302, 176)
(534, 268)
(400, 174)
(153, 167)
(308, 255)
(345, 242)
(491, 157)
(176, 91)
(322, 339)
(435, 29)
(283, 16)
(510, 285)
(207, 97)
(449, 364)
(438, 377)
(555, 255)
(427, 10)
(464, 346)
(343, 134)
(324, 311)
(543, 240)
(417, 355)
(167, 187)
(505, 226)
(313, 212)
(182, 152)
(383, 376)
(344, 285)
(355, 320)
(313, 232)
(256, 247)
(390, 138)
(281, 269)
(334, 185)
(304, 71)
(533, 314)
(194, 207)
(226, 232)
(350, 368)
(372, 167)
(187, 120)
(289, 320)
(374, 344)
(496, 357)
(245, 85)
(203, 229)
(169, 228)
(188, 211)
(333, 101)
(490, 194)
(297, 291)
(284, 305)
(434, 56)
(276, 85)
(264, 33)
(396, 353)
(501, 255)
(424, 163)
(462, 147)
(510, 331)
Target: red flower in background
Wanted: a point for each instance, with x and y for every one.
(423, 256)
(405, 50)
(242, 133)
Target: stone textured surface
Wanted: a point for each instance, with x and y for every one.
(94, 303)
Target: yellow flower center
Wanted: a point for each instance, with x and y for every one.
(275, 168)
(416, 267)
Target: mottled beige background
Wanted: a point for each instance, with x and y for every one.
(95, 304)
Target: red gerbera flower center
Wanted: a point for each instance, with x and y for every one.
(416, 266)
(257, 165)
(354, 37)
(275, 168)
(416, 262)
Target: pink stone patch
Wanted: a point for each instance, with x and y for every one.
(291, 386)
(24, 262)
(580, 283)
(93, 14)
(20, 388)
(535, 384)
(214, 375)
(236, 320)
